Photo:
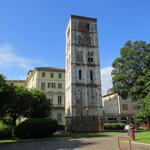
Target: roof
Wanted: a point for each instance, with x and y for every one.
(31, 72)
(109, 94)
(15, 80)
(84, 18)
(49, 69)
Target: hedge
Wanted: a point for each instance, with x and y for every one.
(5, 133)
(60, 127)
(35, 128)
(114, 126)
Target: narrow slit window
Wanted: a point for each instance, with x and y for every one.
(91, 75)
(80, 74)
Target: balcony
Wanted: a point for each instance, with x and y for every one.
(58, 105)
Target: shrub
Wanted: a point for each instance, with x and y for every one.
(114, 126)
(60, 127)
(5, 133)
(36, 128)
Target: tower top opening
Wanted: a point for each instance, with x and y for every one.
(83, 18)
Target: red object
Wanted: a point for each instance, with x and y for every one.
(132, 133)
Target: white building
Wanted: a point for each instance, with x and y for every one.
(17, 82)
(51, 81)
(118, 109)
(83, 107)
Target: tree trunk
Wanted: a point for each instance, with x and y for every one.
(13, 127)
(148, 122)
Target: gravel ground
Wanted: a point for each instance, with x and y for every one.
(101, 143)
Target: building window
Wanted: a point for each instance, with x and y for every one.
(43, 74)
(79, 56)
(83, 26)
(52, 75)
(80, 74)
(90, 57)
(59, 85)
(91, 75)
(51, 85)
(59, 100)
(125, 106)
(48, 85)
(59, 118)
(59, 75)
(51, 99)
(92, 93)
(43, 86)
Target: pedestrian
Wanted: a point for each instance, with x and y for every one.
(127, 127)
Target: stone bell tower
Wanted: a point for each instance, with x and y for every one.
(83, 107)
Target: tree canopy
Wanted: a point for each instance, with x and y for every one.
(18, 102)
(131, 74)
(131, 71)
(40, 105)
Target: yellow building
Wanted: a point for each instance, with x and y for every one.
(118, 109)
(51, 81)
(17, 82)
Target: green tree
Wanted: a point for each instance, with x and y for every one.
(139, 118)
(145, 106)
(18, 104)
(131, 73)
(6, 92)
(2, 81)
(40, 105)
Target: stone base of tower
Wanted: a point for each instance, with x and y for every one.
(84, 123)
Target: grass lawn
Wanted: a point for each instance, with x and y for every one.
(143, 137)
(8, 141)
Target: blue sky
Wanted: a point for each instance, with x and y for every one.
(32, 32)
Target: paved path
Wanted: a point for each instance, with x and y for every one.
(101, 143)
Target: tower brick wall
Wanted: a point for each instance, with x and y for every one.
(83, 108)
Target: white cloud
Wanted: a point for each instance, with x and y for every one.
(106, 79)
(8, 59)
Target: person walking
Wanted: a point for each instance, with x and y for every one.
(127, 127)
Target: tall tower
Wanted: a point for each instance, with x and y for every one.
(83, 108)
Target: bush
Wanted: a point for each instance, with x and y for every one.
(114, 126)
(5, 133)
(36, 128)
(60, 127)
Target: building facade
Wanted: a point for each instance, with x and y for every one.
(17, 82)
(118, 109)
(83, 107)
(51, 81)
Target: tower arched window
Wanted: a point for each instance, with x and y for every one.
(90, 57)
(80, 74)
(91, 75)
